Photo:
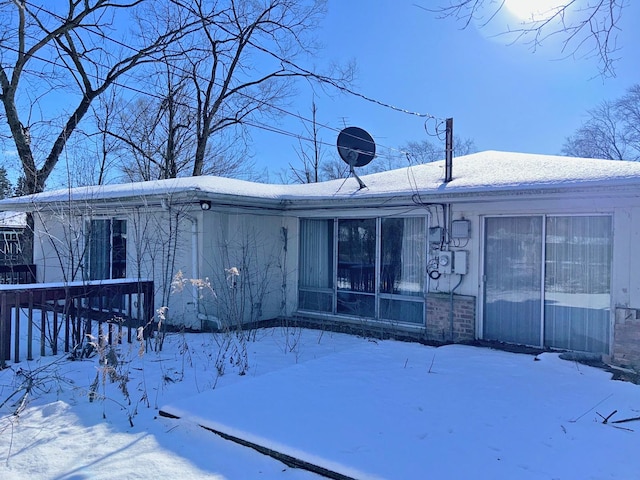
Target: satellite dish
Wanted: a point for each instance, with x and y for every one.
(356, 148)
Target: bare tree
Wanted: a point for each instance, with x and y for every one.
(426, 151)
(334, 169)
(242, 61)
(55, 48)
(90, 156)
(586, 28)
(310, 153)
(229, 73)
(105, 144)
(156, 131)
(612, 130)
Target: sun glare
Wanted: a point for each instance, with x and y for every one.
(533, 10)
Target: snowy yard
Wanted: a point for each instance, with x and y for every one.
(362, 408)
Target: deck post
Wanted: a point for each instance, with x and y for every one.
(54, 340)
(43, 324)
(5, 330)
(16, 337)
(30, 328)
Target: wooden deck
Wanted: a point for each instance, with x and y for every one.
(66, 312)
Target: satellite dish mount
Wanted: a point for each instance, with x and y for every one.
(356, 148)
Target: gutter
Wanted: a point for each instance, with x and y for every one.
(280, 204)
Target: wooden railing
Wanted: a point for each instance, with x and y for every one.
(66, 312)
(17, 274)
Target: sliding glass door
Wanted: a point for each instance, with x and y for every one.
(547, 281)
(577, 283)
(513, 279)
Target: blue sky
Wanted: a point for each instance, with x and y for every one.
(504, 97)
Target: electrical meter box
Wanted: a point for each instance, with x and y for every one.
(461, 229)
(445, 262)
(453, 262)
(460, 263)
(436, 235)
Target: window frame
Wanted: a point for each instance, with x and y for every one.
(112, 252)
(378, 295)
(544, 341)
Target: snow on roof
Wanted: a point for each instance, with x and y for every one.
(13, 219)
(489, 171)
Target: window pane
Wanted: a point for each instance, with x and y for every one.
(402, 311)
(99, 249)
(107, 249)
(513, 272)
(356, 304)
(316, 265)
(315, 301)
(357, 255)
(316, 253)
(577, 283)
(403, 247)
(119, 241)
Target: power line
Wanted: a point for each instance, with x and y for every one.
(255, 124)
(320, 78)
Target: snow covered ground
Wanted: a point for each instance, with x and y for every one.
(370, 409)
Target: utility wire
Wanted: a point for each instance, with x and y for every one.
(270, 128)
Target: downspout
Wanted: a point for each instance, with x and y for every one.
(195, 269)
(195, 266)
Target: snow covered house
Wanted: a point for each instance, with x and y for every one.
(518, 248)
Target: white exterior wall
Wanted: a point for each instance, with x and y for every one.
(253, 245)
(624, 210)
(194, 246)
(237, 237)
(59, 248)
(627, 257)
(167, 251)
(625, 287)
(50, 249)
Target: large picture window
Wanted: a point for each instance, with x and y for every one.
(368, 267)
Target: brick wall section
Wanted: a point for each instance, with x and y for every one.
(439, 328)
(626, 338)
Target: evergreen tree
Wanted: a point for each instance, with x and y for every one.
(6, 189)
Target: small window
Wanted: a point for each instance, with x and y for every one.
(107, 249)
